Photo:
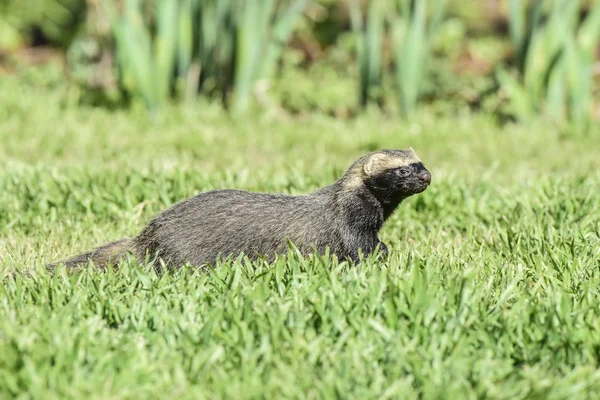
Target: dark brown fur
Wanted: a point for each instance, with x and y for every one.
(345, 217)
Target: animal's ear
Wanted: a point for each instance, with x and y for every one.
(373, 164)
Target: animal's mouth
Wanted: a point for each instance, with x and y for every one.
(422, 187)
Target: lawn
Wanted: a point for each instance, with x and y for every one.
(492, 289)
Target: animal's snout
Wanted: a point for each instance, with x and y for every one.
(425, 177)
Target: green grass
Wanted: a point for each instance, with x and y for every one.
(491, 291)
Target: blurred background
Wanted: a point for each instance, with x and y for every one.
(512, 59)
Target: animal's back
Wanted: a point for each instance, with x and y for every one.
(224, 222)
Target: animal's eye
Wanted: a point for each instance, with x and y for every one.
(403, 171)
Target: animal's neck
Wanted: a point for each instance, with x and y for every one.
(386, 199)
(358, 205)
(382, 200)
(389, 206)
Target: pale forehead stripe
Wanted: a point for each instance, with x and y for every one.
(396, 162)
(379, 162)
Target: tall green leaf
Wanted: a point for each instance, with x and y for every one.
(410, 57)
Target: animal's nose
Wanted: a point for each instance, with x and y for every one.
(425, 177)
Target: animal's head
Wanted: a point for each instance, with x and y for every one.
(392, 174)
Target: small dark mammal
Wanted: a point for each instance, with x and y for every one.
(345, 216)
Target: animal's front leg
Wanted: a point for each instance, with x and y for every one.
(383, 249)
(365, 245)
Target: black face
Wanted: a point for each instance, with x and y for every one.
(397, 184)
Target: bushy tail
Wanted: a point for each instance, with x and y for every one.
(102, 257)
